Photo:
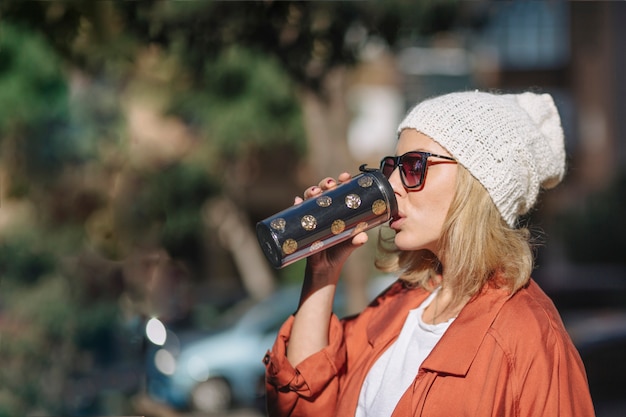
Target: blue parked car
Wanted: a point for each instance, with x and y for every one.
(217, 371)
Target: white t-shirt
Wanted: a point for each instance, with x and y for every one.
(397, 367)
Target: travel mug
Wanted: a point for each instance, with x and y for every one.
(365, 201)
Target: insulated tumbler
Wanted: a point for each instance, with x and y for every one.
(364, 202)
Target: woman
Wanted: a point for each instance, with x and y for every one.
(465, 331)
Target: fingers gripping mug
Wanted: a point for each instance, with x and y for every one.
(362, 203)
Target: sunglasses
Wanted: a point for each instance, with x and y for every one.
(412, 166)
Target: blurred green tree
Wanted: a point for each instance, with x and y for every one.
(36, 136)
(36, 143)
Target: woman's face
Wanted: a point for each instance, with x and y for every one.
(422, 211)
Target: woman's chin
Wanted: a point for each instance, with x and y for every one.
(404, 244)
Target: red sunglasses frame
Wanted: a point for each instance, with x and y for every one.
(415, 170)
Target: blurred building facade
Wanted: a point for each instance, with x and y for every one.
(572, 50)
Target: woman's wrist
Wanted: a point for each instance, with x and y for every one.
(318, 276)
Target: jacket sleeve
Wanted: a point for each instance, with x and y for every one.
(311, 388)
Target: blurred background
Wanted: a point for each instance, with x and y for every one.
(140, 142)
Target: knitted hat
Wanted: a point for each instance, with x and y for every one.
(512, 144)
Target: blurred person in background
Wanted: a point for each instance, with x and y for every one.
(464, 331)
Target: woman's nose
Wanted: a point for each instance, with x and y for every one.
(396, 181)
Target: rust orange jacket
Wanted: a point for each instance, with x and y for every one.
(502, 356)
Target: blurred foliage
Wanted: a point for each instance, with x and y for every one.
(308, 38)
(242, 99)
(22, 263)
(594, 231)
(42, 320)
(173, 198)
(37, 139)
(24, 86)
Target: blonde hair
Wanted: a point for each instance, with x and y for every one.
(476, 247)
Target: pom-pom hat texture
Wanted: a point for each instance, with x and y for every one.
(511, 143)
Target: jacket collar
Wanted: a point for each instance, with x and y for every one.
(466, 331)
(396, 302)
(459, 345)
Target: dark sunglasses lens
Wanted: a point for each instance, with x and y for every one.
(387, 166)
(412, 168)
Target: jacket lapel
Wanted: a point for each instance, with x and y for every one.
(467, 331)
(400, 299)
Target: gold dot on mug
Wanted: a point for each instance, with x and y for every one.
(337, 227)
(289, 246)
(379, 207)
(365, 181)
(316, 245)
(361, 227)
(308, 222)
(278, 224)
(353, 201)
(324, 201)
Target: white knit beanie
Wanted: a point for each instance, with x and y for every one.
(511, 143)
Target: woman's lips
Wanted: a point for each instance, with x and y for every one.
(396, 221)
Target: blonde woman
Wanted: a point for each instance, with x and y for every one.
(465, 331)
